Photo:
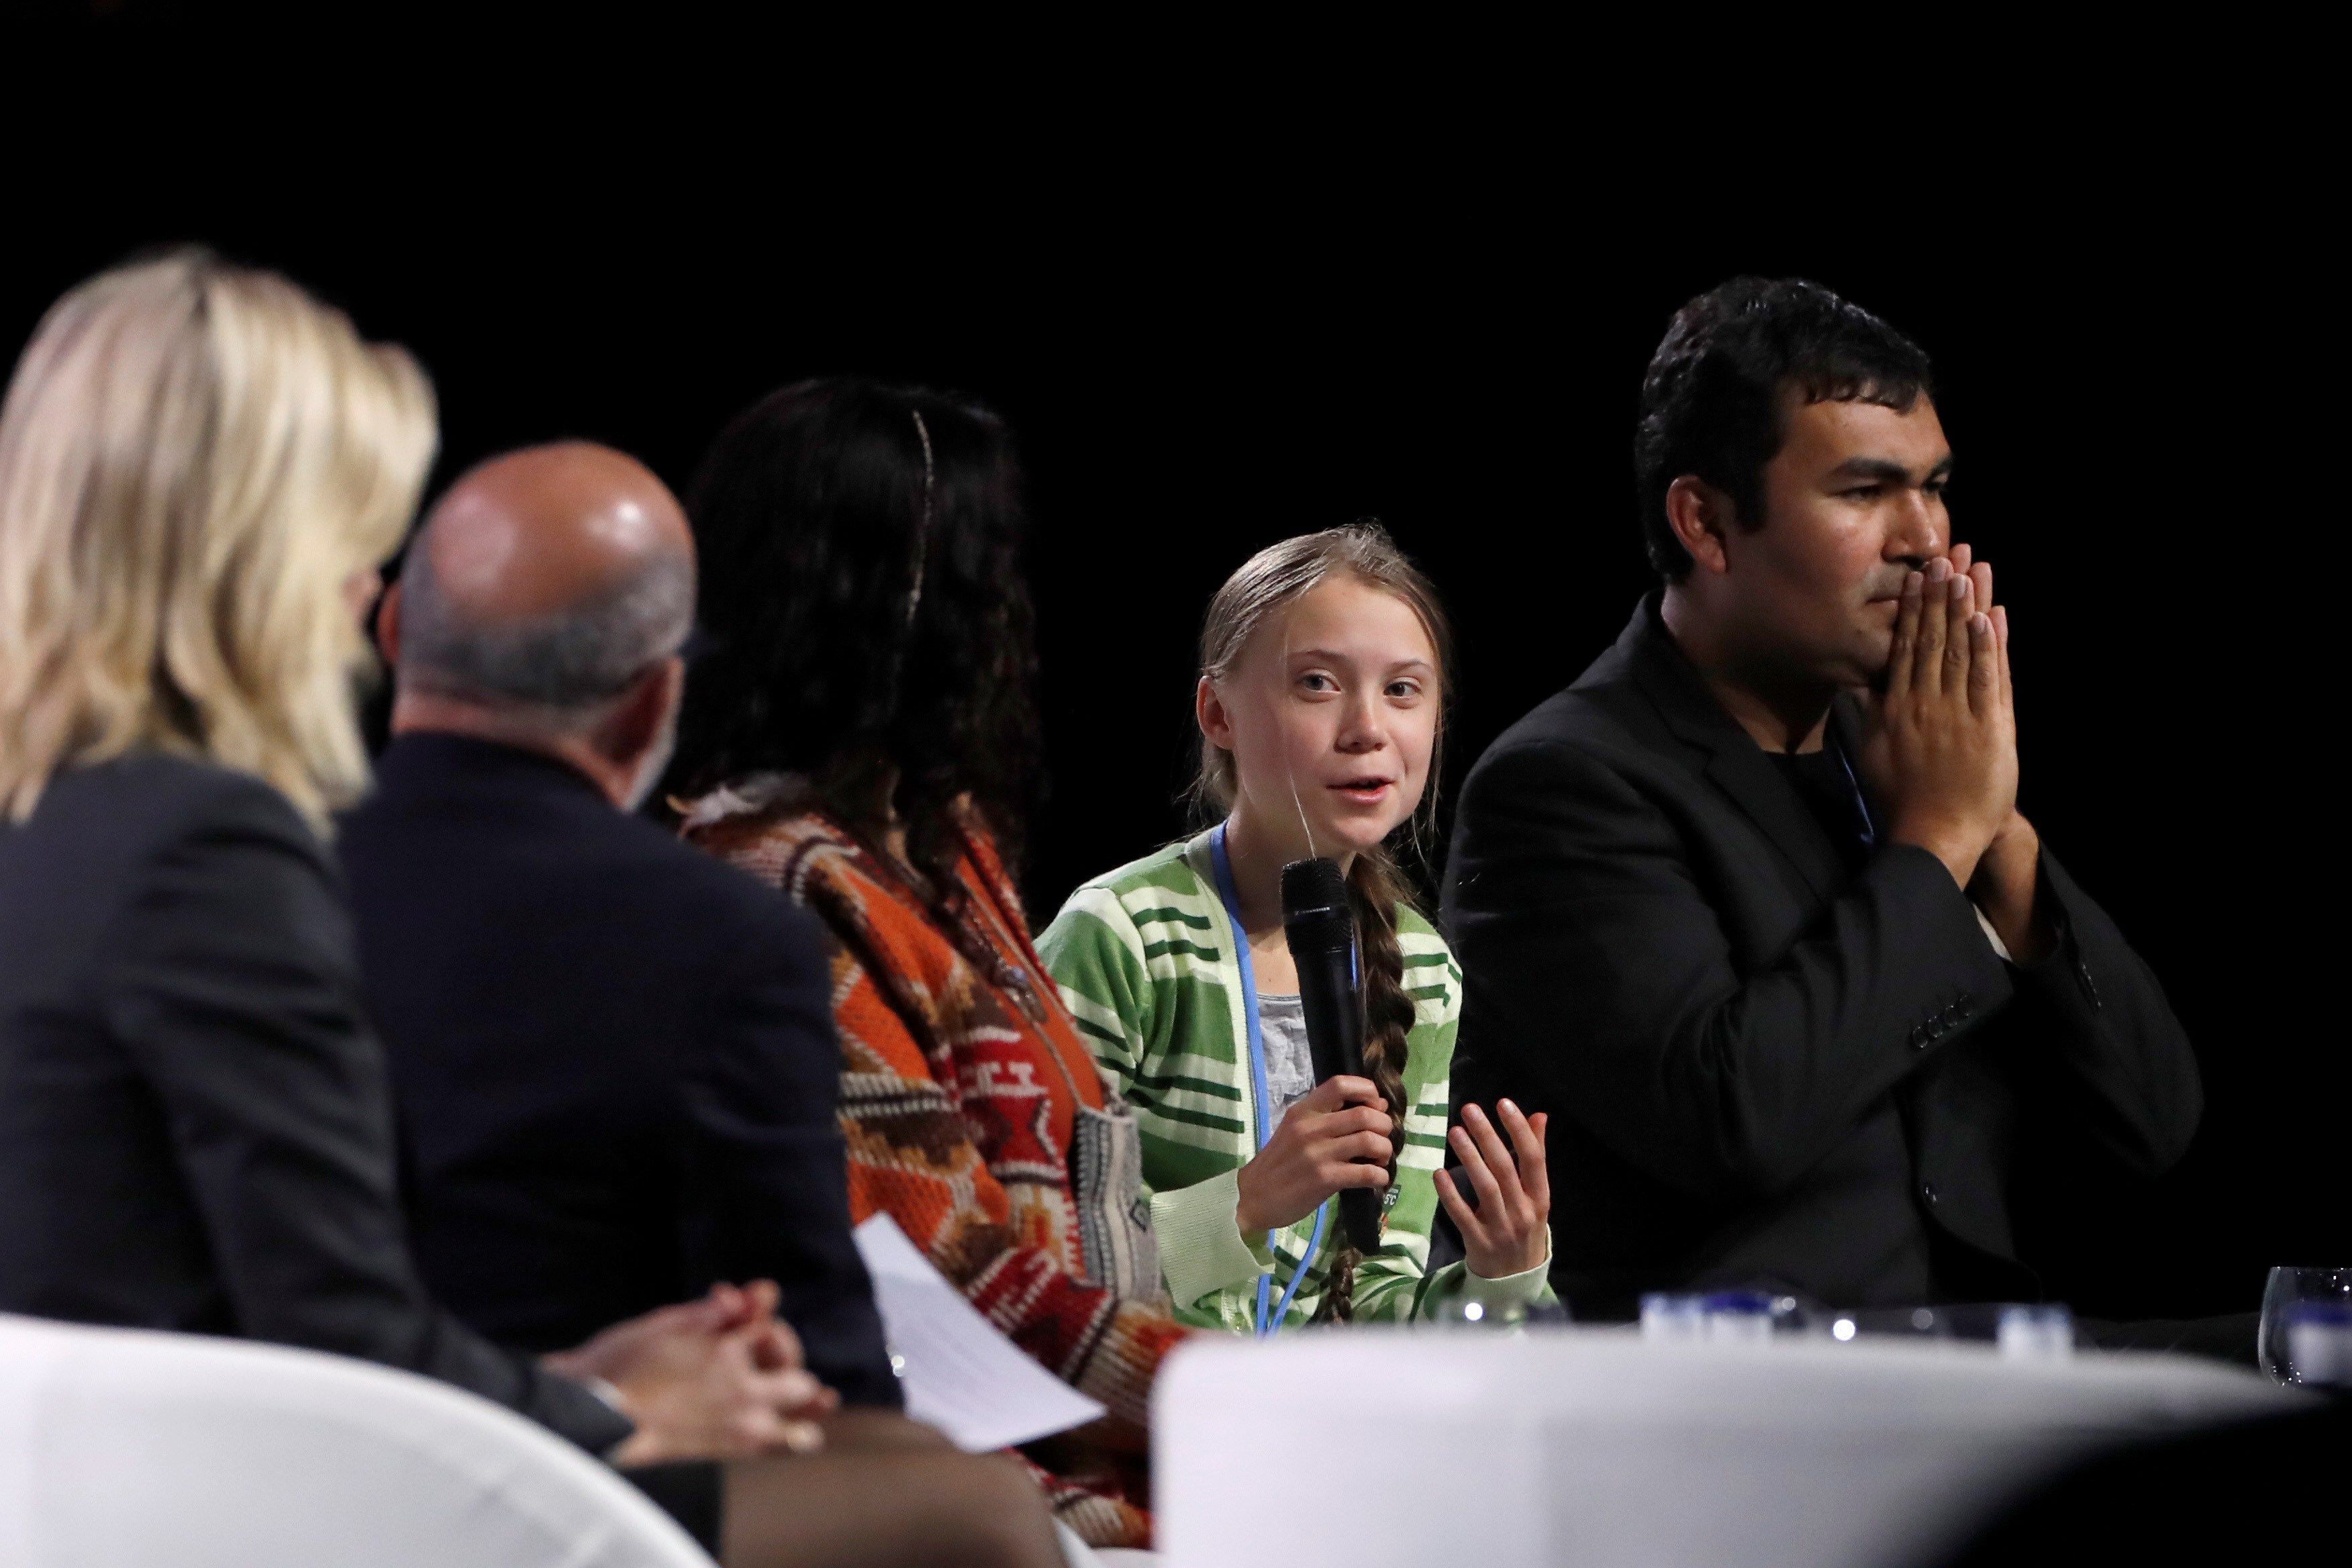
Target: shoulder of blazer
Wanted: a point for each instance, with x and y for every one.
(1581, 733)
(684, 908)
(149, 801)
(1610, 706)
(110, 831)
(1638, 709)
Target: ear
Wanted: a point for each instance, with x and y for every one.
(1209, 712)
(1700, 516)
(640, 717)
(387, 626)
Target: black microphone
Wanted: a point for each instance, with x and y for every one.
(1320, 926)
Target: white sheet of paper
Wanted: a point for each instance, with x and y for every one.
(958, 1372)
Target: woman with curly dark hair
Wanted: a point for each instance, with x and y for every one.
(862, 735)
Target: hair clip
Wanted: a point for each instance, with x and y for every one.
(923, 523)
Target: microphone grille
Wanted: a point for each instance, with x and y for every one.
(1316, 884)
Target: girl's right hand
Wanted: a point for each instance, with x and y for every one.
(1335, 1138)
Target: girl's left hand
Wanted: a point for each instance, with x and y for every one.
(1510, 1232)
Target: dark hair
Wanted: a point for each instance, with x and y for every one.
(1264, 584)
(1710, 397)
(866, 623)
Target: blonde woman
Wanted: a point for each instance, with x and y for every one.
(199, 468)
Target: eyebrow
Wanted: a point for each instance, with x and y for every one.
(1335, 656)
(1887, 470)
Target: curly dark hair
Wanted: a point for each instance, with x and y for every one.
(1710, 399)
(866, 624)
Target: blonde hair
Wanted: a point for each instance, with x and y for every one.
(1269, 582)
(193, 458)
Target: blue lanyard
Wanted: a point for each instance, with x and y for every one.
(1262, 1322)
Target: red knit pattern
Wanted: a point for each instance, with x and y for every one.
(957, 1105)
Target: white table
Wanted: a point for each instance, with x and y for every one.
(1573, 1446)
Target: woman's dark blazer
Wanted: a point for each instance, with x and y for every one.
(194, 1125)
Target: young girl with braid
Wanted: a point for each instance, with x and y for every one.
(1320, 705)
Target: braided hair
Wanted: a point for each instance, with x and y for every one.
(1267, 582)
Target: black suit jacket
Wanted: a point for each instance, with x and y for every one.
(195, 1130)
(614, 1059)
(1762, 1067)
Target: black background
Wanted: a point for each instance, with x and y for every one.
(1205, 351)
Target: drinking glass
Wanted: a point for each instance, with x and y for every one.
(1673, 1317)
(1736, 1317)
(1457, 1313)
(2289, 1288)
(2043, 1333)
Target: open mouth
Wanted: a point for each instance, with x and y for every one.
(1365, 791)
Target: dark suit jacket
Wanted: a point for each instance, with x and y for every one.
(614, 1059)
(195, 1130)
(1762, 1067)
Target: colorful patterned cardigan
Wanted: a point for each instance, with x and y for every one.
(976, 1119)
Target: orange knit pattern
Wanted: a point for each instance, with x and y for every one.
(959, 1095)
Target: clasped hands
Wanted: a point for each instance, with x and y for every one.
(718, 1378)
(1941, 745)
(1337, 1138)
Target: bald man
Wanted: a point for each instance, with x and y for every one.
(613, 1057)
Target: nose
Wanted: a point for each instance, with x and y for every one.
(1361, 729)
(1917, 530)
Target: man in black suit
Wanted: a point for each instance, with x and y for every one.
(613, 1059)
(1749, 908)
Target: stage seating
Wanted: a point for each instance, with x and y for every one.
(121, 1448)
(1589, 1447)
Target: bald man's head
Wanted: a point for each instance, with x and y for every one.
(549, 578)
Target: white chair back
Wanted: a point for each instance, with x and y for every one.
(120, 1448)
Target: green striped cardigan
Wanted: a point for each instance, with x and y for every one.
(1144, 958)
